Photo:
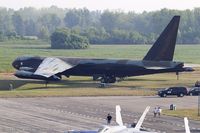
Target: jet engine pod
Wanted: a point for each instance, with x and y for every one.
(23, 74)
(30, 75)
(188, 69)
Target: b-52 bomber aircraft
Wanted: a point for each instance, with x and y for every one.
(159, 59)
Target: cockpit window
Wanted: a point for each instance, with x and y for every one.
(105, 130)
(102, 130)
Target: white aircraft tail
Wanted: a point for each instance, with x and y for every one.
(139, 123)
(118, 116)
(187, 128)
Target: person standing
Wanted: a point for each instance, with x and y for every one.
(159, 111)
(155, 112)
(109, 118)
(11, 86)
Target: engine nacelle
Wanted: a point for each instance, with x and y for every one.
(30, 75)
(23, 74)
(188, 69)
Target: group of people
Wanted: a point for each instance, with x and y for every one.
(157, 111)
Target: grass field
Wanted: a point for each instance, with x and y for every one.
(190, 113)
(12, 49)
(84, 86)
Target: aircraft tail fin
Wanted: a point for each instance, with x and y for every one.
(139, 123)
(187, 129)
(118, 116)
(163, 48)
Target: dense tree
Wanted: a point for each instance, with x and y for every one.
(109, 20)
(44, 33)
(95, 35)
(1, 28)
(100, 27)
(72, 18)
(1, 36)
(18, 23)
(65, 39)
(30, 27)
(51, 21)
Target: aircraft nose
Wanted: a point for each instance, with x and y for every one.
(15, 64)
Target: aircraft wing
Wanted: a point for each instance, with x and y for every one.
(139, 123)
(51, 66)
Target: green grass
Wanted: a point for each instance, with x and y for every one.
(190, 113)
(74, 86)
(12, 49)
(84, 86)
(46, 92)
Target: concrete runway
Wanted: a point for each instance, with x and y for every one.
(59, 114)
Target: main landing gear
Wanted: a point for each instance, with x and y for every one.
(108, 79)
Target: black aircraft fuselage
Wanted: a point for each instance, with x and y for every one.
(157, 60)
(108, 69)
(90, 67)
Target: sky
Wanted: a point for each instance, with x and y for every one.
(123, 5)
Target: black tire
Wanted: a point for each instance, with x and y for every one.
(191, 94)
(181, 95)
(164, 95)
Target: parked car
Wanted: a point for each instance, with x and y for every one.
(178, 91)
(194, 91)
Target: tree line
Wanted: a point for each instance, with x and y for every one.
(99, 27)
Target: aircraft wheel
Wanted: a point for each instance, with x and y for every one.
(181, 95)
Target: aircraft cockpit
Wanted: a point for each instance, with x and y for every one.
(25, 61)
(104, 129)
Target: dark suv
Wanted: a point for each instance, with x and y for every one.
(194, 91)
(178, 91)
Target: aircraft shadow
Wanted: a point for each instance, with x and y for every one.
(14, 84)
(139, 79)
(39, 47)
(83, 83)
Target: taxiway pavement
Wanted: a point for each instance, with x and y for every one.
(59, 114)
